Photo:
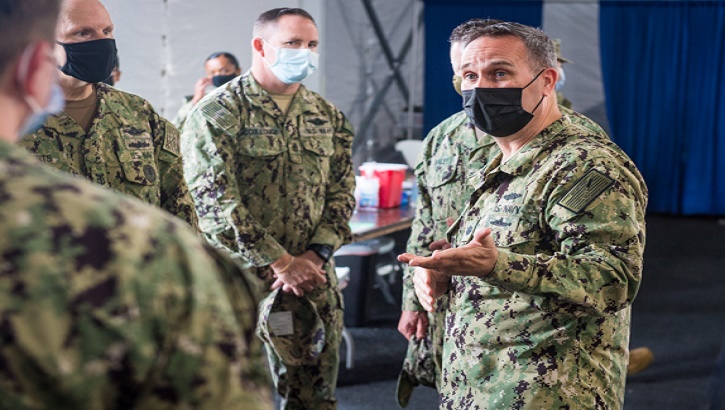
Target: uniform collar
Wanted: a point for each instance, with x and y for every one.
(522, 161)
(107, 98)
(302, 103)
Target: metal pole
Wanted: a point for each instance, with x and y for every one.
(413, 66)
(392, 62)
(377, 100)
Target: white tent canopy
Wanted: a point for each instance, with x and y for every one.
(163, 43)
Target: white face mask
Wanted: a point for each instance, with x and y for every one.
(293, 64)
(55, 104)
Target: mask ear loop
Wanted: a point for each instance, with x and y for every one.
(276, 54)
(537, 105)
(531, 82)
(60, 67)
(534, 79)
(23, 68)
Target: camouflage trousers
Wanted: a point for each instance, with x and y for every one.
(437, 331)
(312, 385)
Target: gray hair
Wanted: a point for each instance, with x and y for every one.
(541, 49)
(459, 33)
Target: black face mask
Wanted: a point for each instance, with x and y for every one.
(90, 61)
(498, 111)
(220, 80)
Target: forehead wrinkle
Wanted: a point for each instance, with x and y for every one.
(486, 63)
(499, 63)
(81, 27)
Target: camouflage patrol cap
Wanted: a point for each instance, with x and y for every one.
(557, 45)
(292, 327)
(418, 368)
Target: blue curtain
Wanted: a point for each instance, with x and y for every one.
(441, 17)
(663, 64)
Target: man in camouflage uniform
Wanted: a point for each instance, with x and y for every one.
(547, 256)
(220, 68)
(269, 166)
(450, 151)
(560, 98)
(111, 137)
(105, 302)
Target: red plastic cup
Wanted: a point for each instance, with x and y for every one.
(391, 177)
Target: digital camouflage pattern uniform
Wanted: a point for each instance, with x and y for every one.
(264, 183)
(129, 148)
(183, 113)
(549, 326)
(449, 152)
(562, 100)
(108, 303)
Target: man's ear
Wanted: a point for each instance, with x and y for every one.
(27, 71)
(258, 45)
(551, 75)
(34, 72)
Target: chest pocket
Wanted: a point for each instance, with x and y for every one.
(445, 189)
(261, 142)
(318, 148)
(514, 226)
(258, 162)
(137, 174)
(443, 171)
(136, 158)
(143, 172)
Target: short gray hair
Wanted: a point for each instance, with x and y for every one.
(459, 33)
(541, 49)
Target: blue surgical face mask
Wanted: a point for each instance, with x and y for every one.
(293, 64)
(562, 79)
(55, 104)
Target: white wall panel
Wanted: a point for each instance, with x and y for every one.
(163, 43)
(576, 23)
(357, 68)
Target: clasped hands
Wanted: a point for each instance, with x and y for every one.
(432, 274)
(298, 274)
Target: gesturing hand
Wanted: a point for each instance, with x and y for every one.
(476, 258)
(200, 89)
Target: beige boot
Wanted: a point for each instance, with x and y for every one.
(639, 359)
